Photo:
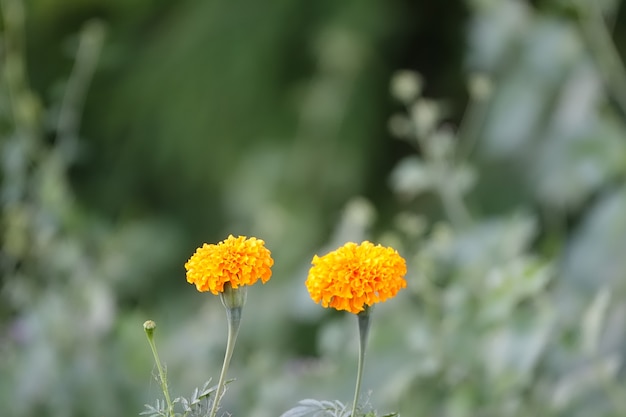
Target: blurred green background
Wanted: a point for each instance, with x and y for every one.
(484, 139)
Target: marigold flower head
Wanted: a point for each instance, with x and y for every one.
(237, 260)
(354, 276)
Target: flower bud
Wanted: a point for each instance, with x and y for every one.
(148, 327)
(406, 86)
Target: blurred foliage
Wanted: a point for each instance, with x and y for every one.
(204, 118)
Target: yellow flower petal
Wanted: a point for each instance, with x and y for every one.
(238, 260)
(356, 275)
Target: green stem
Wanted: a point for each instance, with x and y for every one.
(474, 117)
(234, 319)
(453, 204)
(162, 376)
(603, 49)
(364, 326)
(89, 47)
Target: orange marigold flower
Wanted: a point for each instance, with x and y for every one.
(356, 275)
(238, 260)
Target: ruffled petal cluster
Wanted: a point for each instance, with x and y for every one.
(356, 275)
(238, 260)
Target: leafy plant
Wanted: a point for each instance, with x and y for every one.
(315, 408)
(197, 405)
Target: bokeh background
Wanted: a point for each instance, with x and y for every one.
(485, 139)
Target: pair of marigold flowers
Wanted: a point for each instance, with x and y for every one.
(349, 278)
(352, 278)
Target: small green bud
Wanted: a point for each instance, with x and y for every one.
(148, 327)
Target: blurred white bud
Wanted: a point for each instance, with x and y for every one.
(425, 114)
(406, 86)
(441, 144)
(411, 177)
(410, 223)
(358, 216)
(360, 211)
(480, 86)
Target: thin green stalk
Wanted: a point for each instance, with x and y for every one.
(23, 102)
(89, 47)
(234, 320)
(453, 205)
(364, 327)
(480, 88)
(149, 327)
(603, 49)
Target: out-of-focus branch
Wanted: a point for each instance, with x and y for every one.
(68, 122)
(596, 32)
(23, 104)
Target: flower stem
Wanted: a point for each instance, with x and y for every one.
(604, 51)
(234, 319)
(364, 326)
(149, 327)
